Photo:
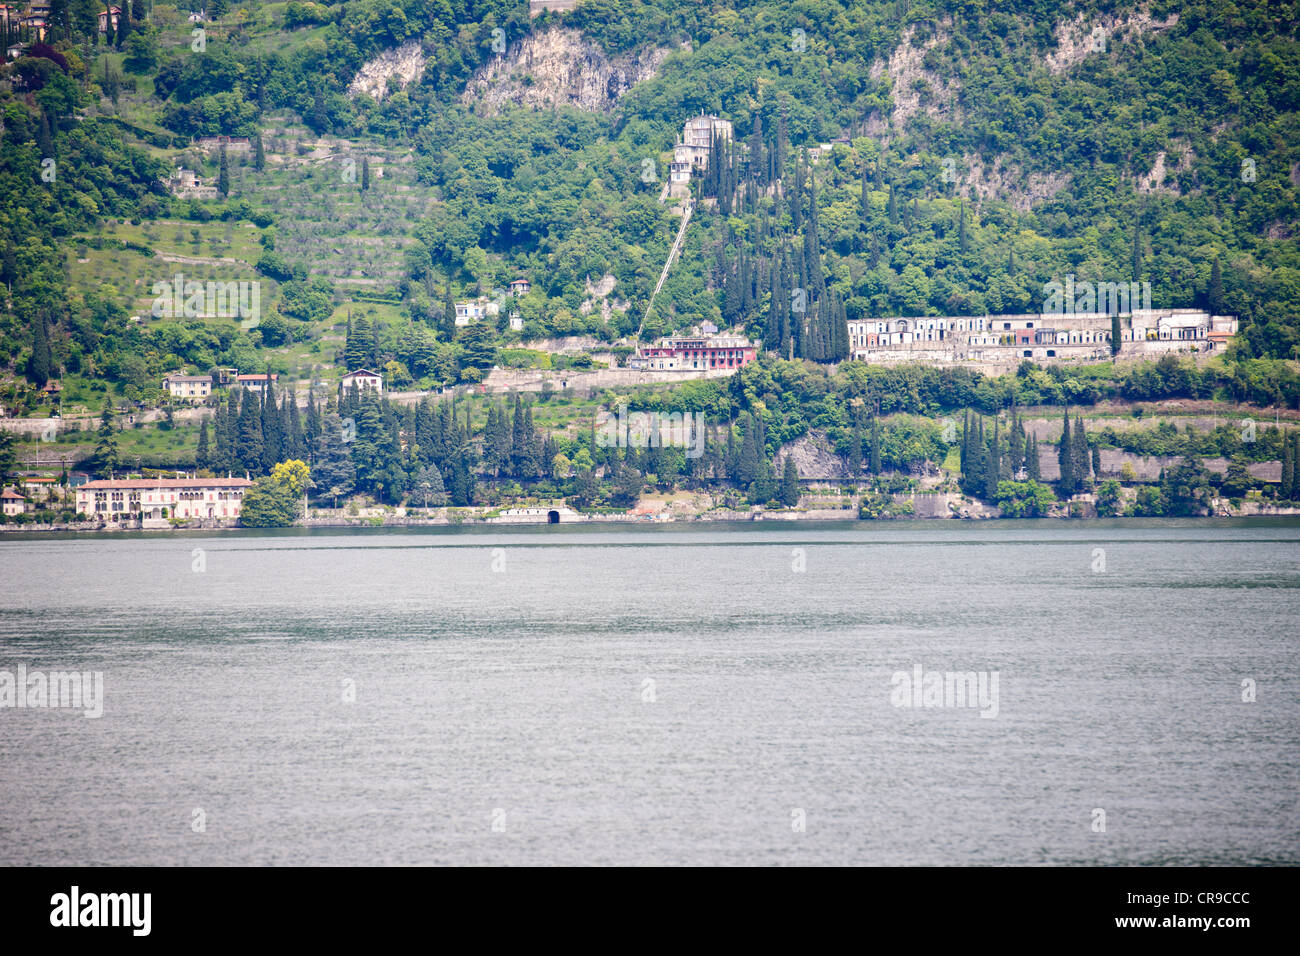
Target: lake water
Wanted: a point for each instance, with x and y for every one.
(722, 694)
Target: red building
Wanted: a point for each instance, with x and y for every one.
(697, 352)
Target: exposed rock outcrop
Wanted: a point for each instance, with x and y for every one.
(559, 66)
(910, 76)
(404, 63)
(1077, 39)
(814, 456)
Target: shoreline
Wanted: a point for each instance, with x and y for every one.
(820, 516)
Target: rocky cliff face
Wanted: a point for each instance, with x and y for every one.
(556, 67)
(403, 64)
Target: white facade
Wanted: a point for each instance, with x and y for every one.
(255, 383)
(188, 386)
(363, 379)
(1035, 335)
(476, 310)
(162, 498)
(14, 503)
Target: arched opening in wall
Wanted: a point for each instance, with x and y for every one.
(1051, 353)
(552, 517)
(1029, 353)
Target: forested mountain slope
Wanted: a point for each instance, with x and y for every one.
(983, 151)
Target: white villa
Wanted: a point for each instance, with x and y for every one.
(188, 386)
(157, 499)
(475, 310)
(692, 150)
(1045, 335)
(363, 379)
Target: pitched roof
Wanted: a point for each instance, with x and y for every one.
(143, 483)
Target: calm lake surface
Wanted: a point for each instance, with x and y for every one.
(666, 695)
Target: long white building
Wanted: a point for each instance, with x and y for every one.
(158, 499)
(1043, 335)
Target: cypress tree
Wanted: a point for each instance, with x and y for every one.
(1216, 303)
(1295, 468)
(231, 437)
(359, 343)
(965, 442)
(789, 483)
(994, 470)
(1288, 469)
(44, 138)
(202, 458)
(855, 446)
(259, 154)
(1116, 335)
(298, 438)
(1082, 460)
(223, 174)
(272, 432)
(875, 444)
(218, 455)
(1015, 447)
(1032, 470)
(249, 448)
(1065, 456)
(1294, 493)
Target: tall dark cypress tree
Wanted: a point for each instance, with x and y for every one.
(994, 460)
(44, 138)
(223, 174)
(855, 444)
(1215, 298)
(1081, 463)
(1065, 457)
(218, 454)
(272, 432)
(1288, 469)
(299, 437)
(965, 442)
(875, 444)
(1033, 470)
(249, 448)
(1295, 468)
